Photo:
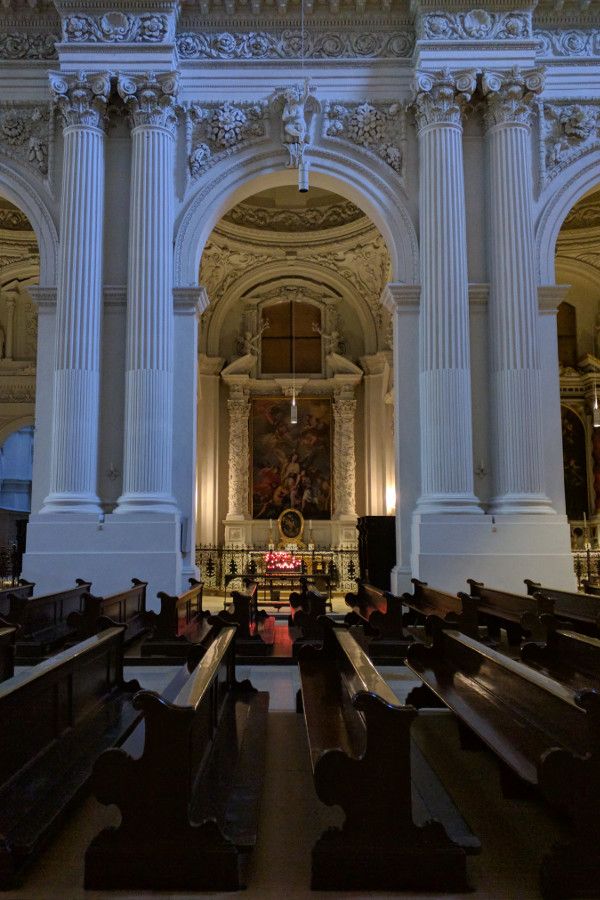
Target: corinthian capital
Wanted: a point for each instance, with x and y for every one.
(510, 95)
(81, 98)
(441, 97)
(151, 98)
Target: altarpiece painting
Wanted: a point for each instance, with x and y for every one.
(291, 464)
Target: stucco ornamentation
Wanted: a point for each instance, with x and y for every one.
(478, 24)
(291, 220)
(151, 99)
(296, 106)
(344, 457)
(288, 45)
(116, 28)
(441, 97)
(28, 45)
(377, 127)
(568, 130)
(216, 130)
(82, 99)
(569, 42)
(510, 95)
(24, 134)
(238, 406)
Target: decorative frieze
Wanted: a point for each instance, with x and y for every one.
(116, 28)
(151, 99)
(510, 95)
(568, 42)
(16, 45)
(567, 131)
(24, 133)
(378, 127)
(82, 98)
(441, 97)
(342, 44)
(215, 130)
(292, 220)
(476, 25)
(585, 214)
(14, 220)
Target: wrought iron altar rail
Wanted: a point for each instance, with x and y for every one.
(11, 559)
(218, 565)
(587, 567)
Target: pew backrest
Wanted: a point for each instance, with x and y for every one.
(127, 608)
(567, 653)
(571, 605)
(507, 605)
(35, 614)
(22, 589)
(431, 601)
(177, 612)
(7, 652)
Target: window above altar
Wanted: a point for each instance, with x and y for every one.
(291, 339)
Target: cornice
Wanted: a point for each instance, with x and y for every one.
(43, 297)
(401, 298)
(361, 229)
(550, 296)
(190, 301)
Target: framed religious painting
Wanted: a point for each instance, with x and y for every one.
(291, 464)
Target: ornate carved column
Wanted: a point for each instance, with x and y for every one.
(516, 390)
(238, 406)
(444, 358)
(82, 100)
(344, 458)
(148, 449)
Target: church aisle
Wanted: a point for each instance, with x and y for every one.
(513, 833)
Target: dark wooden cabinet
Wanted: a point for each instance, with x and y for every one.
(377, 549)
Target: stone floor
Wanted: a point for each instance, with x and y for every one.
(513, 834)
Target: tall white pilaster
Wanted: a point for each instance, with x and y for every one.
(516, 388)
(444, 358)
(238, 406)
(82, 100)
(148, 445)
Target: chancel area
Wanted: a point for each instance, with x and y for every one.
(299, 448)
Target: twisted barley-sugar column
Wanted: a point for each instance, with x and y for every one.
(515, 370)
(82, 100)
(444, 355)
(148, 447)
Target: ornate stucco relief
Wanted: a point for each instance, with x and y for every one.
(25, 133)
(116, 28)
(568, 130)
(378, 127)
(568, 42)
(585, 214)
(477, 24)
(16, 45)
(215, 130)
(287, 44)
(291, 220)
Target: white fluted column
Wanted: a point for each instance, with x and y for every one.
(344, 455)
(82, 100)
(444, 357)
(148, 446)
(513, 317)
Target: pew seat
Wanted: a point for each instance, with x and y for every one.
(572, 610)
(568, 657)
(256, 630)
(426, 601)
(521, 615)
(379, 616)
(179, 622)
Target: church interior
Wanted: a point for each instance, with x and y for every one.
(299, 449)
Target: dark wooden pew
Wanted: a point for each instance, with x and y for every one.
(593, 589)
(307, 606)
(567, 656)
(380, 617)
(126, 608)
(360, 753)
(256, 630)
(180, 621)
(56, 720)
(22, 589)
(424, 602)
(544, 733)
(187, 783)
(580, 612)
(43, 622)
(7, 652)
(519, 614)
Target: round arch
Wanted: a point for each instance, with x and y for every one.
(19, 187)
(555, 203)
(16, 424)
(233, 180)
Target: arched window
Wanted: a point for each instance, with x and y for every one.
(291, 343)
(566, 323)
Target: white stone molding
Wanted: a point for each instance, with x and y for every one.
(25, 134)
(515, 367)
(568, 130)
(28, 45)
(296, 107)
(216, 130)
(475, 25)
(148, 446)
(32, 196)
(190, 301)
(378, 127)
(74, 446)
(238, 407)
(344, 455)
(567, 42)
(550, 296)
(116, 28)
(336, 43)
(444, 354)
(151, 99)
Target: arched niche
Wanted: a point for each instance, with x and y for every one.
(22, 189)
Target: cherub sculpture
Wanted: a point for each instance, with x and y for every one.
(250, 342)
(332, 341)
(299, 106)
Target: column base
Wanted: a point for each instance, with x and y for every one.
(520, 504)
(61, 548)
(343, 531)
(146, 503)
(238, 531)
(400, 580)
(72, 503)
(500, 550)
(449, 503)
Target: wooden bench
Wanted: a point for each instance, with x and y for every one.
(7, 653)
(567, 656)
(580, 612)
(256, 630)
(360, 753)
(593, 589)
(126, 608)
(307, 606)
(380, 615)
(188, 783)
(56, 720)
(180, 621)
(544, 733)
(22, 589)
(424, 602)
(43, 622)
(519, 614)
